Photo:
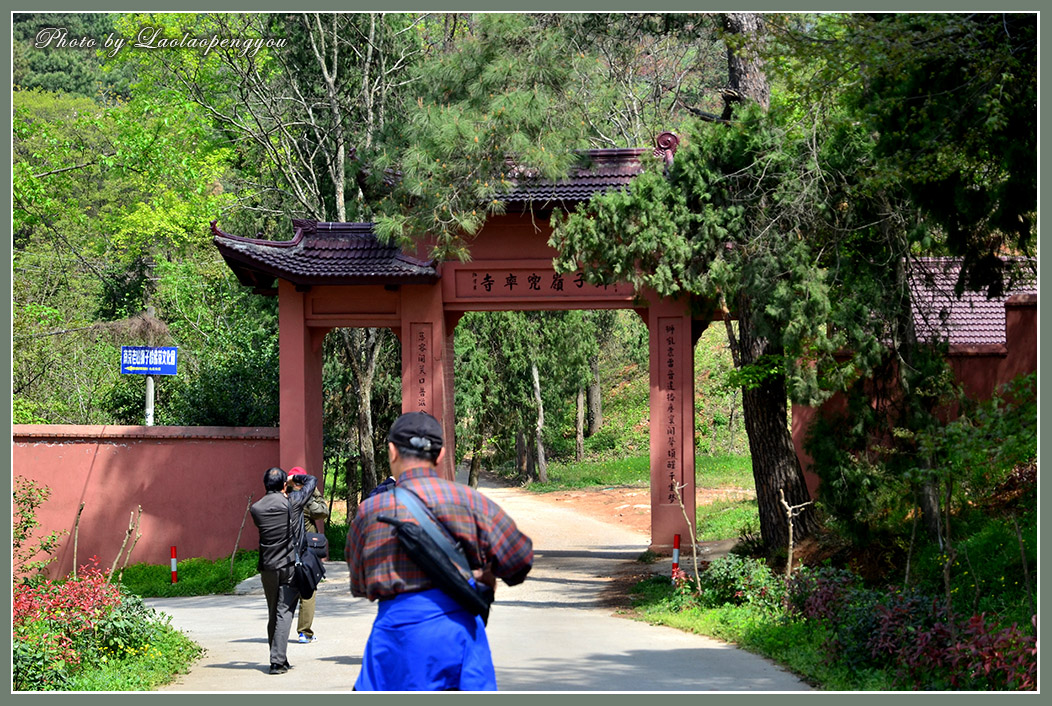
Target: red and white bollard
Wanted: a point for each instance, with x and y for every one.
(175, 578)
(675, 554)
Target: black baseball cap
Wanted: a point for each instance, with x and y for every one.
(418, 431)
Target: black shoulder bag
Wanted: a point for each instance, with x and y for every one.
(308, 571)
(431, 547)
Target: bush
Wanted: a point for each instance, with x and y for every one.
(53, 627)
(911, 635)
(976, 654)
(129, 628)
(898, 618)
(68, 633)
(820, 594)
(737, 580)
(336, 533)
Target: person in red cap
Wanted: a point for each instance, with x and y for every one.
(422, 639)
(278, 515)
(314, 514)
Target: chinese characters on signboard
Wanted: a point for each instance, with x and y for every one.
(668, 334)
(143, 360)
(421, 336)
(534, 283)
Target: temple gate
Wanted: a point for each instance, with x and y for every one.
(332, 275)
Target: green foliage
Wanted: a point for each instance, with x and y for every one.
(336, 533)
(50, 67)
(990, 439)
(841, 636)
(954, 98)
(719, 427)
(495, 357)
(169, 652)
(128, 628)
(911, 636)
(951, 101)
(727, 222)
(196, 576)
(988, 574)
(495, 110)
(737, 580)
(873, 458)
(102, 193)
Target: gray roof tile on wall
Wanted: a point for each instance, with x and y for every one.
(972, 320)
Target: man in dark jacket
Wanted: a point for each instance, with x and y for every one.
(278, 516)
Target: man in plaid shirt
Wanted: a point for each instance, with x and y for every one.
(422, 639)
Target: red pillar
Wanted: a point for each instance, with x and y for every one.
(671, 421)
(427, 362)
(301, 385)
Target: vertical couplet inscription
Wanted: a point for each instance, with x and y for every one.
(669, 334)
(421, 366)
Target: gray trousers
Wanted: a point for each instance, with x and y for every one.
(282, 597)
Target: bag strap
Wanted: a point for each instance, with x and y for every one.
(430, 524)
(288, 529)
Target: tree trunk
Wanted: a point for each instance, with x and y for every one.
(748, 80)
(326, 47)
(542, 463)
(595, 400)
(365, 440)
(361, 347)
(580, 424)
(774, 462)
(732, 409)
(522, 460)
(476, 466)
(930, 511)
(350, 474)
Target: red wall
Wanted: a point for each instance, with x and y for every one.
(193, 484)
(980, 370)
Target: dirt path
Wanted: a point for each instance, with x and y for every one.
(629, 506)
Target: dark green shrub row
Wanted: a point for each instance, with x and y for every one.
(912, 636)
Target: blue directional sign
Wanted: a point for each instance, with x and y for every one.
(143, 360)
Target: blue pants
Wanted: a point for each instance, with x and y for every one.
(425, 641)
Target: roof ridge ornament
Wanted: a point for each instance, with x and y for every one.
(665, 146)
(307, 225)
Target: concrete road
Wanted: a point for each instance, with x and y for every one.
(549, 634)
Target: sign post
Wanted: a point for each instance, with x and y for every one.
(148, 361)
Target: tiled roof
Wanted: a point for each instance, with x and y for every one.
(972, 320)
(349, 253)
(599, 171)
(321, 253)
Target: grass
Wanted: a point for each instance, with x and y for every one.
(727, 519)
(196, 577)
(171, 653)
(631, 471)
